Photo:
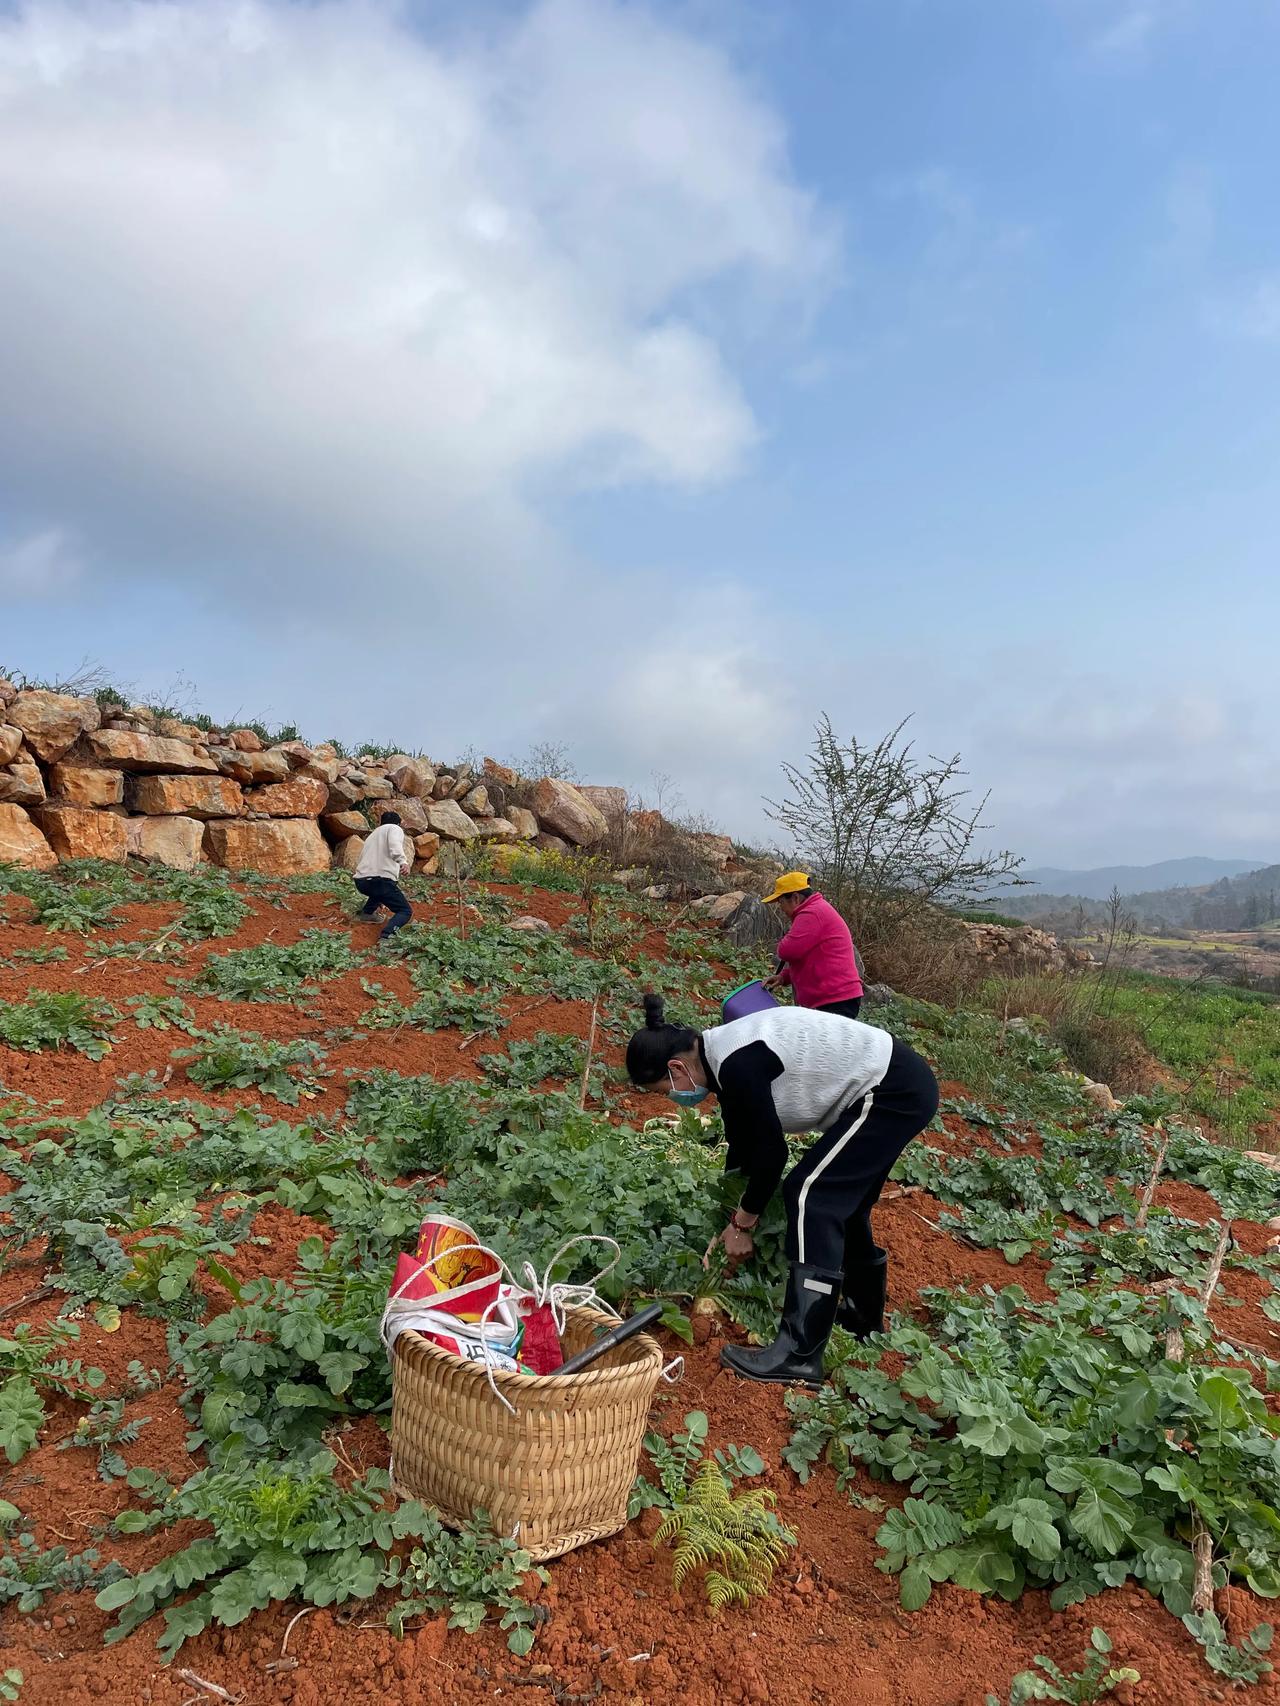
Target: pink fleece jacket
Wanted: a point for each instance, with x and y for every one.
(817, 955)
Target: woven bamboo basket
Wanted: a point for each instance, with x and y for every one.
(558, 1472)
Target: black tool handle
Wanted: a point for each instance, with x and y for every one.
(615, 1336)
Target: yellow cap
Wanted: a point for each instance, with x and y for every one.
(790, 883)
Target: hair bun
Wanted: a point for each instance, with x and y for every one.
(654, 1012)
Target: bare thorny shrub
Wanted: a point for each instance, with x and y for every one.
(891, 840)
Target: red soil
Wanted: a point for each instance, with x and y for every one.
(830, 1631)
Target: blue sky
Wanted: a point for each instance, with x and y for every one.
(653, 379)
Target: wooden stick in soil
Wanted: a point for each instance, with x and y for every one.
(1202, 1551)
(1215, 1265)
(591, 1048)
(1148, 1194)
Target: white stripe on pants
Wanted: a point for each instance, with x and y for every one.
(854, 1127)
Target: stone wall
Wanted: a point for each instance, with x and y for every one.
(80, 782)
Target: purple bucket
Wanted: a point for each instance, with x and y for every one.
(751, 998)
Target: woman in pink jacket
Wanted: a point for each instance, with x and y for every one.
(817, 954)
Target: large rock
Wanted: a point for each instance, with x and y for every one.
(718, 908)
(497, 829)
(1017, 949)
(297, 752)
(502, 774)
(21, 784)
(449, 821)
(545, 842)
(523, 822)
(300, 796)
(562, 809)
(185, 796)
(82, 832)
(277, 847)
(426, 847)
(8, 692)
(86, 785)
(252, 767)
(21, 843)
(343, 794)
(52, 722)
(339, 825)
(10, 742)
(475, 802)
(412, 813)
(717, 850)
(323, 769)
(144, 754)
(611, 803)
(346, 855)
(245, 740)
(175, 841)
(412, 776)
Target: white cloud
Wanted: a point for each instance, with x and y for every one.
(293, 292)
(39, 565)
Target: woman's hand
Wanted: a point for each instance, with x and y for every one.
(738, 1246)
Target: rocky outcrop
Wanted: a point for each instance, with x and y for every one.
(1020, 948)
(564, 811)
(301, 796)
(83, 832)
(21, 842)
(126, 749)
(447, 819)
(52, 722)
(176, 841)
(185, 796)
(86, 785)
(276, 847)
(79, 779)
(339, 825)
(21, 784)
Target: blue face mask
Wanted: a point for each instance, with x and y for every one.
(687, 1098)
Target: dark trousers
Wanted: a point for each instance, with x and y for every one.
(845, 1009)
(830, 1192)
(381, 891)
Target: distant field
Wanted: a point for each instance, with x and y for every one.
(1224, 1043)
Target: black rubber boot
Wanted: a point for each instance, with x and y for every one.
(808, 1315)
(866, 1287)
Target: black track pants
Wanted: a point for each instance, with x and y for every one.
(831, 1191)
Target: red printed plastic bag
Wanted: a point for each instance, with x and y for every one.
(449, 1270)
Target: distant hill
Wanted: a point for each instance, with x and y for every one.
(1098, 883)
(1244, 902)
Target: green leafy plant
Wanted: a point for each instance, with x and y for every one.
(224, 1059)
(43, 955)
(79, 909)
(161, 1013)
(1096, 1678)
(55, 1021)
(1056, 1445)
(27, 1574)
(272, 973)
(163, 1264)
(278, 1530)
(105, 1430)
(469, 1575)
(11, 1683)
(32, 1365)
(737, 1540)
